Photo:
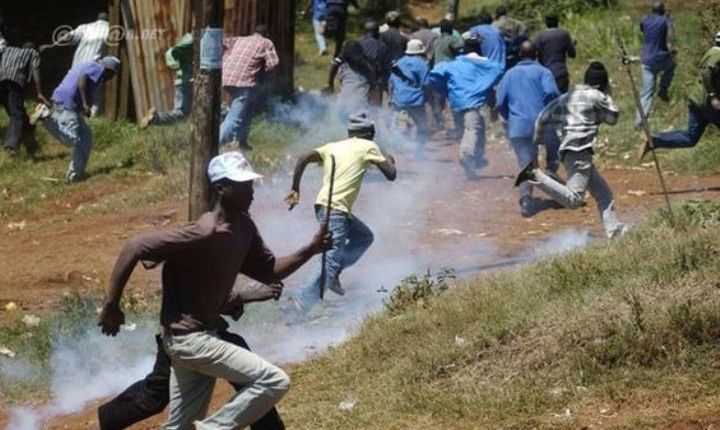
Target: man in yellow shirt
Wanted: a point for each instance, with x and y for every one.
(350, 236)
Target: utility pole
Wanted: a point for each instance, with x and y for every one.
(205, 119)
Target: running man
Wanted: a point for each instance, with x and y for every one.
(579, 114)
(350, 236)
(201, 261)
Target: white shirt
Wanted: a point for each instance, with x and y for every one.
(90, 39)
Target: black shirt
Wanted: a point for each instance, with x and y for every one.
(378, 55)
(554, 45)
(395, 42)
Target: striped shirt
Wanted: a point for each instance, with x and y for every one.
(246, 59)
(579, 114)
(18, 65)
(90, 40)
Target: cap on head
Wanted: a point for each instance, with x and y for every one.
(717, 39)
(112, 63)
(232, 166)
(597, 76)
(360, 122)
(392, 17)
(450, 17)
(415, 47)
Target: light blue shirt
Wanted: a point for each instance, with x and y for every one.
(523, 93)
(493, 44)
(467, 80)
(409, 94)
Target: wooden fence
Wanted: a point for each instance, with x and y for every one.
(151, 27)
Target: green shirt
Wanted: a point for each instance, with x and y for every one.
(180, 57)
(445, 48)
(710, 61)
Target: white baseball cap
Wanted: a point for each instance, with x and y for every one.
(233, 166)
(414, 47)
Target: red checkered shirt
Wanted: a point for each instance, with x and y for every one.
(246, 59)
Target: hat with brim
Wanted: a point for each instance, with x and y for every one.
(415, 47)
(111, 63)
(232, 166)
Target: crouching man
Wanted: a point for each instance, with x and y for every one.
(201, 261)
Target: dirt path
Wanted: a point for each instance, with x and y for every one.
(430, 214)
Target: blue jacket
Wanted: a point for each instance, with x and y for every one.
(493, 44)
(523, 93)
(409, 94)
(467, 81)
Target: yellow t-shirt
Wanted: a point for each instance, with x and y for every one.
(352, 159)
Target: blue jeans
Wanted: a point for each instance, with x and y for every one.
(236, 125)
(182, 104)
(552, 149)
(350, 239)
(665, 71)
(69, 127)
(698, 120)
(319, 28)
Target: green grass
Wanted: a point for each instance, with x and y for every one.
(623, 322)
(128, 167)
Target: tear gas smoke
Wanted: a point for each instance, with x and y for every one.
(401, 216)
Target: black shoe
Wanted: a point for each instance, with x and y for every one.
(664, 97)
(527, 207)
(526, 174)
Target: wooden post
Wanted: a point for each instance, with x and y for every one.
(206, 109)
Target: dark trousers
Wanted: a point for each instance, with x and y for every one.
(563, 83)
(149, 396)
(12, 97)
(698, 120)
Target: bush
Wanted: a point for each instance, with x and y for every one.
(415, 290)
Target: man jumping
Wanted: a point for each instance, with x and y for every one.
(350, 236)
(201, 261)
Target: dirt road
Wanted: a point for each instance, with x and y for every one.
(430, 218)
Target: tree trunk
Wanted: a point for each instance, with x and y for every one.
(206, 109)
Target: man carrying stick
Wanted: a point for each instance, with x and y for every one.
(202, 260)
(579, 113)
(350, 236)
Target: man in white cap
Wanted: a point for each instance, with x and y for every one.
(72, 101)
(407, 82)
(201, 261)
(350, 236)
(703, 105)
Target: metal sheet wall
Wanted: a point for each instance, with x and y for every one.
(153, 26)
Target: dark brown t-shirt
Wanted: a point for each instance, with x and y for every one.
(202, 260)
